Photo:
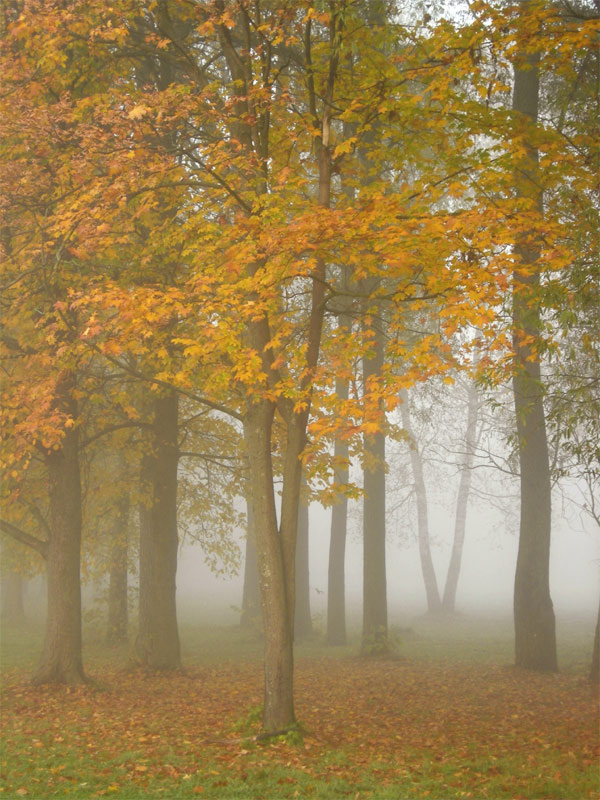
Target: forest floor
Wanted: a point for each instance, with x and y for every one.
(447, 718)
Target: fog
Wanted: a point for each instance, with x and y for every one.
(486, 580)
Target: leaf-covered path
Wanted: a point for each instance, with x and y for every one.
(380, 729)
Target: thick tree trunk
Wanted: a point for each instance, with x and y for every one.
(336, 584)
(61, 658)
(276, 597)
(250, 616)
(462, 500)
(595, 667)
(157, 645)
(375, 624)
(302, 617)
(118, 617)
(535, 637)
(434, 603)
(13, 606)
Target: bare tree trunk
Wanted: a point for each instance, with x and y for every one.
(462, 500)
(535, 636)
(61, 658)
(302, 617)
(336, 584)
(276, 597)
(13, 607)
(117, 623)
(251, 591)
(375, 624)
(431, 588)
(157, 645)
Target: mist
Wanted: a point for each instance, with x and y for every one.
(486, 579)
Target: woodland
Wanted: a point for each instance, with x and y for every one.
(249, 250)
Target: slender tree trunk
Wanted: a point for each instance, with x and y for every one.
(276, 599)
(535, 637)
(118, 617)
(375, 624)
(251, 591)
(336, 584)
(61, 658)
(462, 500)
(157, 645)
(434, 603)
(595, 667)
(302, 617)
(13, 606)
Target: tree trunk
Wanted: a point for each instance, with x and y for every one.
(462, 500)
(431, 588)
(535, 637)
(251, 593)
(302, 617)
(336, 584)
(375, 625)
(276, 598)
(61, 658)
(595, 667)
(117, 623)
(157, 645)
(13, 607)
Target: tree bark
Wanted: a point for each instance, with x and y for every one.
(302, 617)
(434, 603)
(13, 606)
(157, 645)
(336, 584)
(278, 711)
(535, 636)
(250, 616)
(462, 500)
(61, 659)
(118, 616)
(375, 623)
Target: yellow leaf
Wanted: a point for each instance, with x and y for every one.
(137, 112)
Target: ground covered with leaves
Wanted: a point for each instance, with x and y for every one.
(405, 727)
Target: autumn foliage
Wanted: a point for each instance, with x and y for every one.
(213, 213)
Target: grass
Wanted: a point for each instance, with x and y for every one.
(447, 719)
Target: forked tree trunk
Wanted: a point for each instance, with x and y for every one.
(336, 584)
(535, 636)
(434, 603)
(118, 616)
(375, 623)
(277, 599)
(276, 546)
(61, 658)
(157, 645)
(13, 606)
(302, 617)
(462, 500)
(250, 616)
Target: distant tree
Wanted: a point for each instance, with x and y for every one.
(302, 616)
(427, 566)
(336, 582)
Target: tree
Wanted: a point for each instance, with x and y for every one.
(302, 616)
(462, 499)
(427, 567)
(336, 582)
(375, 623)
(535, 636)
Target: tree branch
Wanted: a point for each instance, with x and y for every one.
(25, 538)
